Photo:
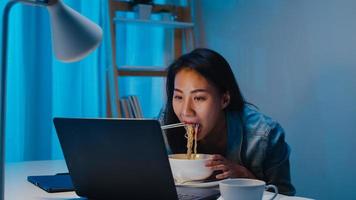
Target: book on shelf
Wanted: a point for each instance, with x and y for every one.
(130, 107)
(124, 108)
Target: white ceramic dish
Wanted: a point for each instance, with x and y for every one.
(189, 170)
(199, 184)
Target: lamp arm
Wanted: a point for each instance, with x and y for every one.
(5, 27)
(4, 43)
(38, 2)
(81, 22)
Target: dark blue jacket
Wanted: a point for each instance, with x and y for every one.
(257, 142)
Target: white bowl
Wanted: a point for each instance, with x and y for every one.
(184, 169)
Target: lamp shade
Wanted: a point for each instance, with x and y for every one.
(73, 35)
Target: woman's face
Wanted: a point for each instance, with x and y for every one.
(196, 101)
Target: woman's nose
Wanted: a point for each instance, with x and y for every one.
(187, 109)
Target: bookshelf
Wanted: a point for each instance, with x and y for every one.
(141, 71)
(182, 27)
(161, 23)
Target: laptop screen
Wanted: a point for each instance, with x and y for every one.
(113, 158)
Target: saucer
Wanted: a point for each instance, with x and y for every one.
(267, 195)
(199, 184)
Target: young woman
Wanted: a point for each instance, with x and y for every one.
(202, 90)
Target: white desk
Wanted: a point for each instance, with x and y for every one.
(18, 188)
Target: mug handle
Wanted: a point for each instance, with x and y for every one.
(275, 190)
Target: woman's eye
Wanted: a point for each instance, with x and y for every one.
(199, 98)
(176, 97)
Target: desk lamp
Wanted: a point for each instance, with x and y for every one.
(73, 37)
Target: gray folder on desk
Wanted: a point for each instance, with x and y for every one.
(120, 158)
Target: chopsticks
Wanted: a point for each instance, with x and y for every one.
(172, 126)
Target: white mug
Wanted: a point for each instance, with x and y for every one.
(244, 189)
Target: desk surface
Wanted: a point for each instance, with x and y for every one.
(18, 188)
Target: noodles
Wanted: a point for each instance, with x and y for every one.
(191, 138)
(196, 140)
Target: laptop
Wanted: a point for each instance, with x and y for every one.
(120, 158)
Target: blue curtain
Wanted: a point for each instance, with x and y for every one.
(40, 87)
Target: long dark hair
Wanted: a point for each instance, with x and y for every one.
(215, 69)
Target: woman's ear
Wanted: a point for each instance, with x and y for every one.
(225, 101)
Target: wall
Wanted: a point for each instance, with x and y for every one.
(296, 60)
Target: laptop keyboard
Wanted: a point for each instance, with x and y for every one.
(187, 197)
